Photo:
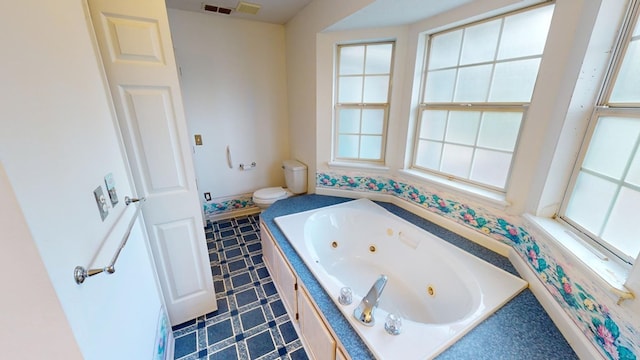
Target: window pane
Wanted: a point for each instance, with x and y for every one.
(351, 60)
(491, 64)
(444, 50)
(491, 167)
(376, 89)
(433, 124)
(372, 121)
(525, 34)
(371, 147)
(362, 86)
(633, 176)
(473, 83)
(439, 87)
(462, 127)
(621, 230)
(499, 130)
(513, 81)
(348, 146)
(428, 154)
(456, 160)
(349, 121)
(611, 145)
(378, 59)
(626, 89)
(589, 202)
(480, 42)
(350, 90)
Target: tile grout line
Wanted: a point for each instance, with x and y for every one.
(235, 254)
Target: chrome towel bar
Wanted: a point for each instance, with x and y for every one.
(80, 273)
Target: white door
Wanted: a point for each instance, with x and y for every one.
(137, 54)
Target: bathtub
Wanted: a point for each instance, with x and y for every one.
(440, 291)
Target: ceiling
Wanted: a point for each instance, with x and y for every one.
(380, 13)
(271, 11)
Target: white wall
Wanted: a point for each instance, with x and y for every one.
(31, 309)
(559, 111)
(559, 70)
(301, 34)
(58, 140)
(326, 53)
(234, 90)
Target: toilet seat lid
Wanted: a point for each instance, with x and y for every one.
(270, 193)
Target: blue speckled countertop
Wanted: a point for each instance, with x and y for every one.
(519, 330)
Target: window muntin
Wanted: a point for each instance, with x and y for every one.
(478, 80)
(626, 90)
(363, 78)
(476, 145)
(604, 197)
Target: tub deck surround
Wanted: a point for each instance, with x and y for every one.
(519, 329)
(440, 291)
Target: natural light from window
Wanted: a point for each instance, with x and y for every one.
(362, 103)
(605, 201)
(479, 80)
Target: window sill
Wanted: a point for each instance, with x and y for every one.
(354, 165)
(492, 198)
(611, 273)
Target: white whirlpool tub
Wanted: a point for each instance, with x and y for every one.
(440, 291)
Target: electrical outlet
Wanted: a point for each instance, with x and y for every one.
(207, 196)
(111, 188)
(101, 201)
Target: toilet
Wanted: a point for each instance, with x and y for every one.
(295, 175)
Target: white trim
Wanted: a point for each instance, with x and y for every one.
(492, 198)
(580, 343)
(357, 165)
(610, 274)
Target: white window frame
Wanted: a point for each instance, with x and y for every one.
(602, 108)
(521, 107)
(362, 106)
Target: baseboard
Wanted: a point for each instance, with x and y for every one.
(571, 332)
(234, 213)
(170, 347)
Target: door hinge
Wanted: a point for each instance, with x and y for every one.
(295, 286)
(297, 316)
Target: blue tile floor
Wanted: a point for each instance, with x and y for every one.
(251, 322)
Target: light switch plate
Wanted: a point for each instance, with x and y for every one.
(110, 183)
(198, 139)
(101, 201)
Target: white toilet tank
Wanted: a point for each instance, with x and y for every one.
(295, 175)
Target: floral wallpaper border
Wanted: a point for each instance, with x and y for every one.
(220, 206)
(607, 325)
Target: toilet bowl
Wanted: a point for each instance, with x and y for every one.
(295, 175)
(263, 198)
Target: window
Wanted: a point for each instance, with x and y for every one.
(362, 101)
(604, 200)
(478, 81)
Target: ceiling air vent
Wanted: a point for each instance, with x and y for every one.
(248, 8)
(216, 9)
(210, 8)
